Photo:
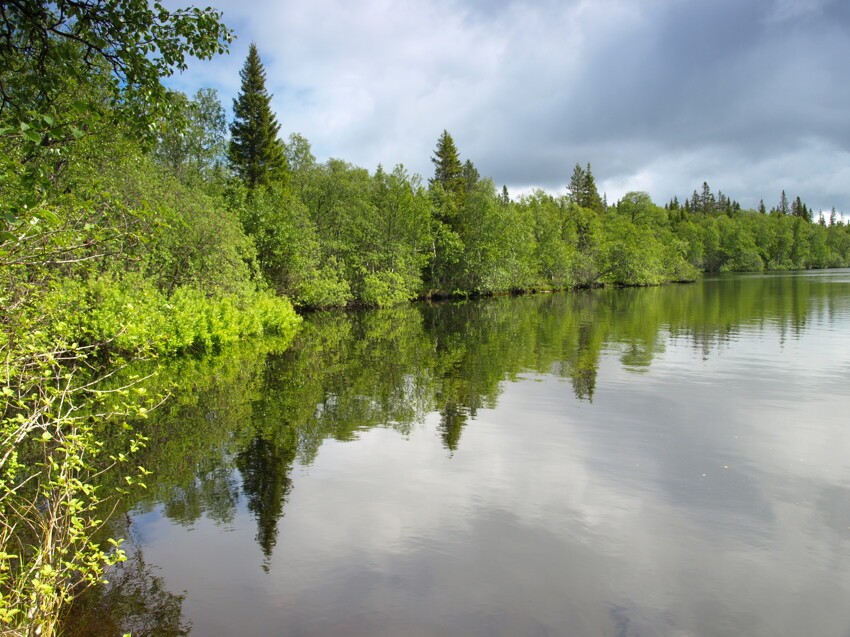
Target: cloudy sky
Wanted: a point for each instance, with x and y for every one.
(658, 95)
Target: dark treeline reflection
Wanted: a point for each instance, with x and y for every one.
(237, 423)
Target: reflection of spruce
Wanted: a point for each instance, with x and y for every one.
(587, 361)
(452, 419)
(584, 382)
(265, 468)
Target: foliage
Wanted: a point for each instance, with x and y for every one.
(52, 456)
(138, 42)
(191, 143)
(106, 253)
(128, 315)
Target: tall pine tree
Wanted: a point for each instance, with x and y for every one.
(784, 208)
(448, 171)
(582, 189)
(255, 152)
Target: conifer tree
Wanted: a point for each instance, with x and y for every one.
(576, 187)
(707, 201)
(471, 176)
(255, 152)
(592, 199)
(583, 190)
(797, 208)
(783, 204)
(762, 208)
(448, 171)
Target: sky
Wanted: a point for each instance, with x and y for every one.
(657, 95)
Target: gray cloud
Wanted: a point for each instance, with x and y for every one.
(658, 95)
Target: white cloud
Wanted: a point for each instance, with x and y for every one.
(658, 95)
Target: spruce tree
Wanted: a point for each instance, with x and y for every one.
(583, 190)
(470, 175)
(576, 187)
(708, 203)
(591, 196)
(255, 152)
(448, 171)
(783, 208)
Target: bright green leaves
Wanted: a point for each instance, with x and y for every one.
(112, 52)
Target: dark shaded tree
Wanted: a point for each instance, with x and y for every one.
(265, 467)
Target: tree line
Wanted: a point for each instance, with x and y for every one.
(332, 234)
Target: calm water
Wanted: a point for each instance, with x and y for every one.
(663, 461)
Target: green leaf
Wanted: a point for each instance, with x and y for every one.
(50, 216)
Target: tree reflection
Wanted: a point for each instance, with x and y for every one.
(265, 468)
(255, 413)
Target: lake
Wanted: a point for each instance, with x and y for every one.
(636, 462)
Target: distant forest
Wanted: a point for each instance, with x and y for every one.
(333, 234)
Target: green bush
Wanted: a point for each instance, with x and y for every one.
(386, 288)
(128, 315)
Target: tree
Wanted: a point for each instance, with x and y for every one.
(639, 208)
(44, 44)
(470, 175)
(70, 66)
(591, 194)
(707, 201)
(783, 208)
(255, 152)
(195, 145)
(448, 171)
(582, 189)
(576, 186)
(762, 209)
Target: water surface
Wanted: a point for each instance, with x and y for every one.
(641, 462)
